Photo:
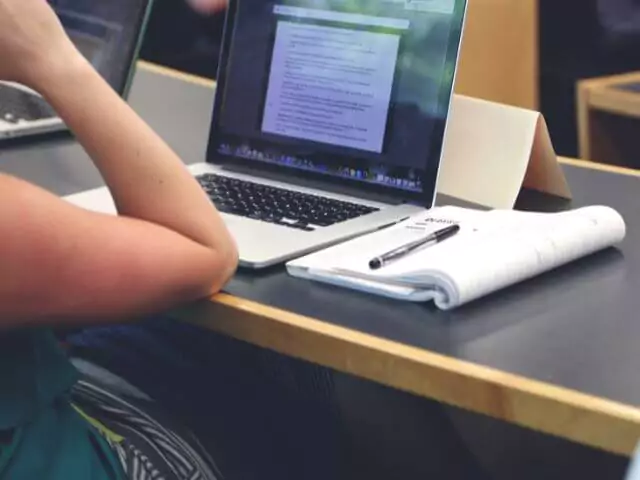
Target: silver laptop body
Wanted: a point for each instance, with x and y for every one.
(310, 146)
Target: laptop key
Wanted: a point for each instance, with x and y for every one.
(297, 210)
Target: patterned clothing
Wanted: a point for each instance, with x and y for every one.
(148, 444)
(60, 423)
(41, 435)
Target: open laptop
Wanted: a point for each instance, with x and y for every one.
(329, 120)
(109, 35)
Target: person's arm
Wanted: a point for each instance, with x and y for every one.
(207, 6)
(62, 263)
(146, 178)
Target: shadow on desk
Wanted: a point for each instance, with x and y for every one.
(531, 200)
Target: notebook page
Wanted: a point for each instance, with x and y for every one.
(429, 267)
(501, 248)
(354, 255)
(517, 248)
(347, 264)
(493, 250)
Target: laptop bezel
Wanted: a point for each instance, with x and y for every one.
(433, 158)
(131, 57)
(134, 54)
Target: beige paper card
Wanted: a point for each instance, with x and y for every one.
(492, 151)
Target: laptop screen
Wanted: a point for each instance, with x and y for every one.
(356, 89)
(106, 32)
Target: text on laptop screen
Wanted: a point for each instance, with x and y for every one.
(106, 32)
(352, 88)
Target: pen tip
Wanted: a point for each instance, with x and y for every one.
(375, 264)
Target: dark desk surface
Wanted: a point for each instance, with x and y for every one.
(558, 354)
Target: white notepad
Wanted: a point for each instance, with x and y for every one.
(493, 250)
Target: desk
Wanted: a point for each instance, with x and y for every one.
(558, 354)
(609, 119)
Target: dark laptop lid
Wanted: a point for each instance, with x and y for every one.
(108, 32)
(354, 92)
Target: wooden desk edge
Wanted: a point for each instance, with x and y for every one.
(609, 80)
(601, 167)
(543, 407)
(170, 72)
(603, 94)
(585, 419)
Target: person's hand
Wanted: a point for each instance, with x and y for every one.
(207, 6)
(32, 42)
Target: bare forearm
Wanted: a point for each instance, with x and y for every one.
(147, 179)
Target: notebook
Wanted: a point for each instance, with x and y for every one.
(492, 250)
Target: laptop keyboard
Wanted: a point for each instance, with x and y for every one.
(17, 105)
(297, 210)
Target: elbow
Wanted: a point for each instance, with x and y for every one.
(225, 266)
(208, 275)
(229, 262)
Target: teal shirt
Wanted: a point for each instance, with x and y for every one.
(41, 434)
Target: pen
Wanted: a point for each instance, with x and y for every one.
(434, 237)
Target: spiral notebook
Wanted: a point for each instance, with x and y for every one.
(492, 250)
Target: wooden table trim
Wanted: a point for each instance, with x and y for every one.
(170, 72)
(540, 406)
(603, 95)
(601, 167)
(616, 101)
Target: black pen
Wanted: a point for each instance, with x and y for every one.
(434, 237)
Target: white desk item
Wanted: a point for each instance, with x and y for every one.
(493, 250)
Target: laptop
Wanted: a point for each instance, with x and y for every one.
(328, 122)
(108, 34)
